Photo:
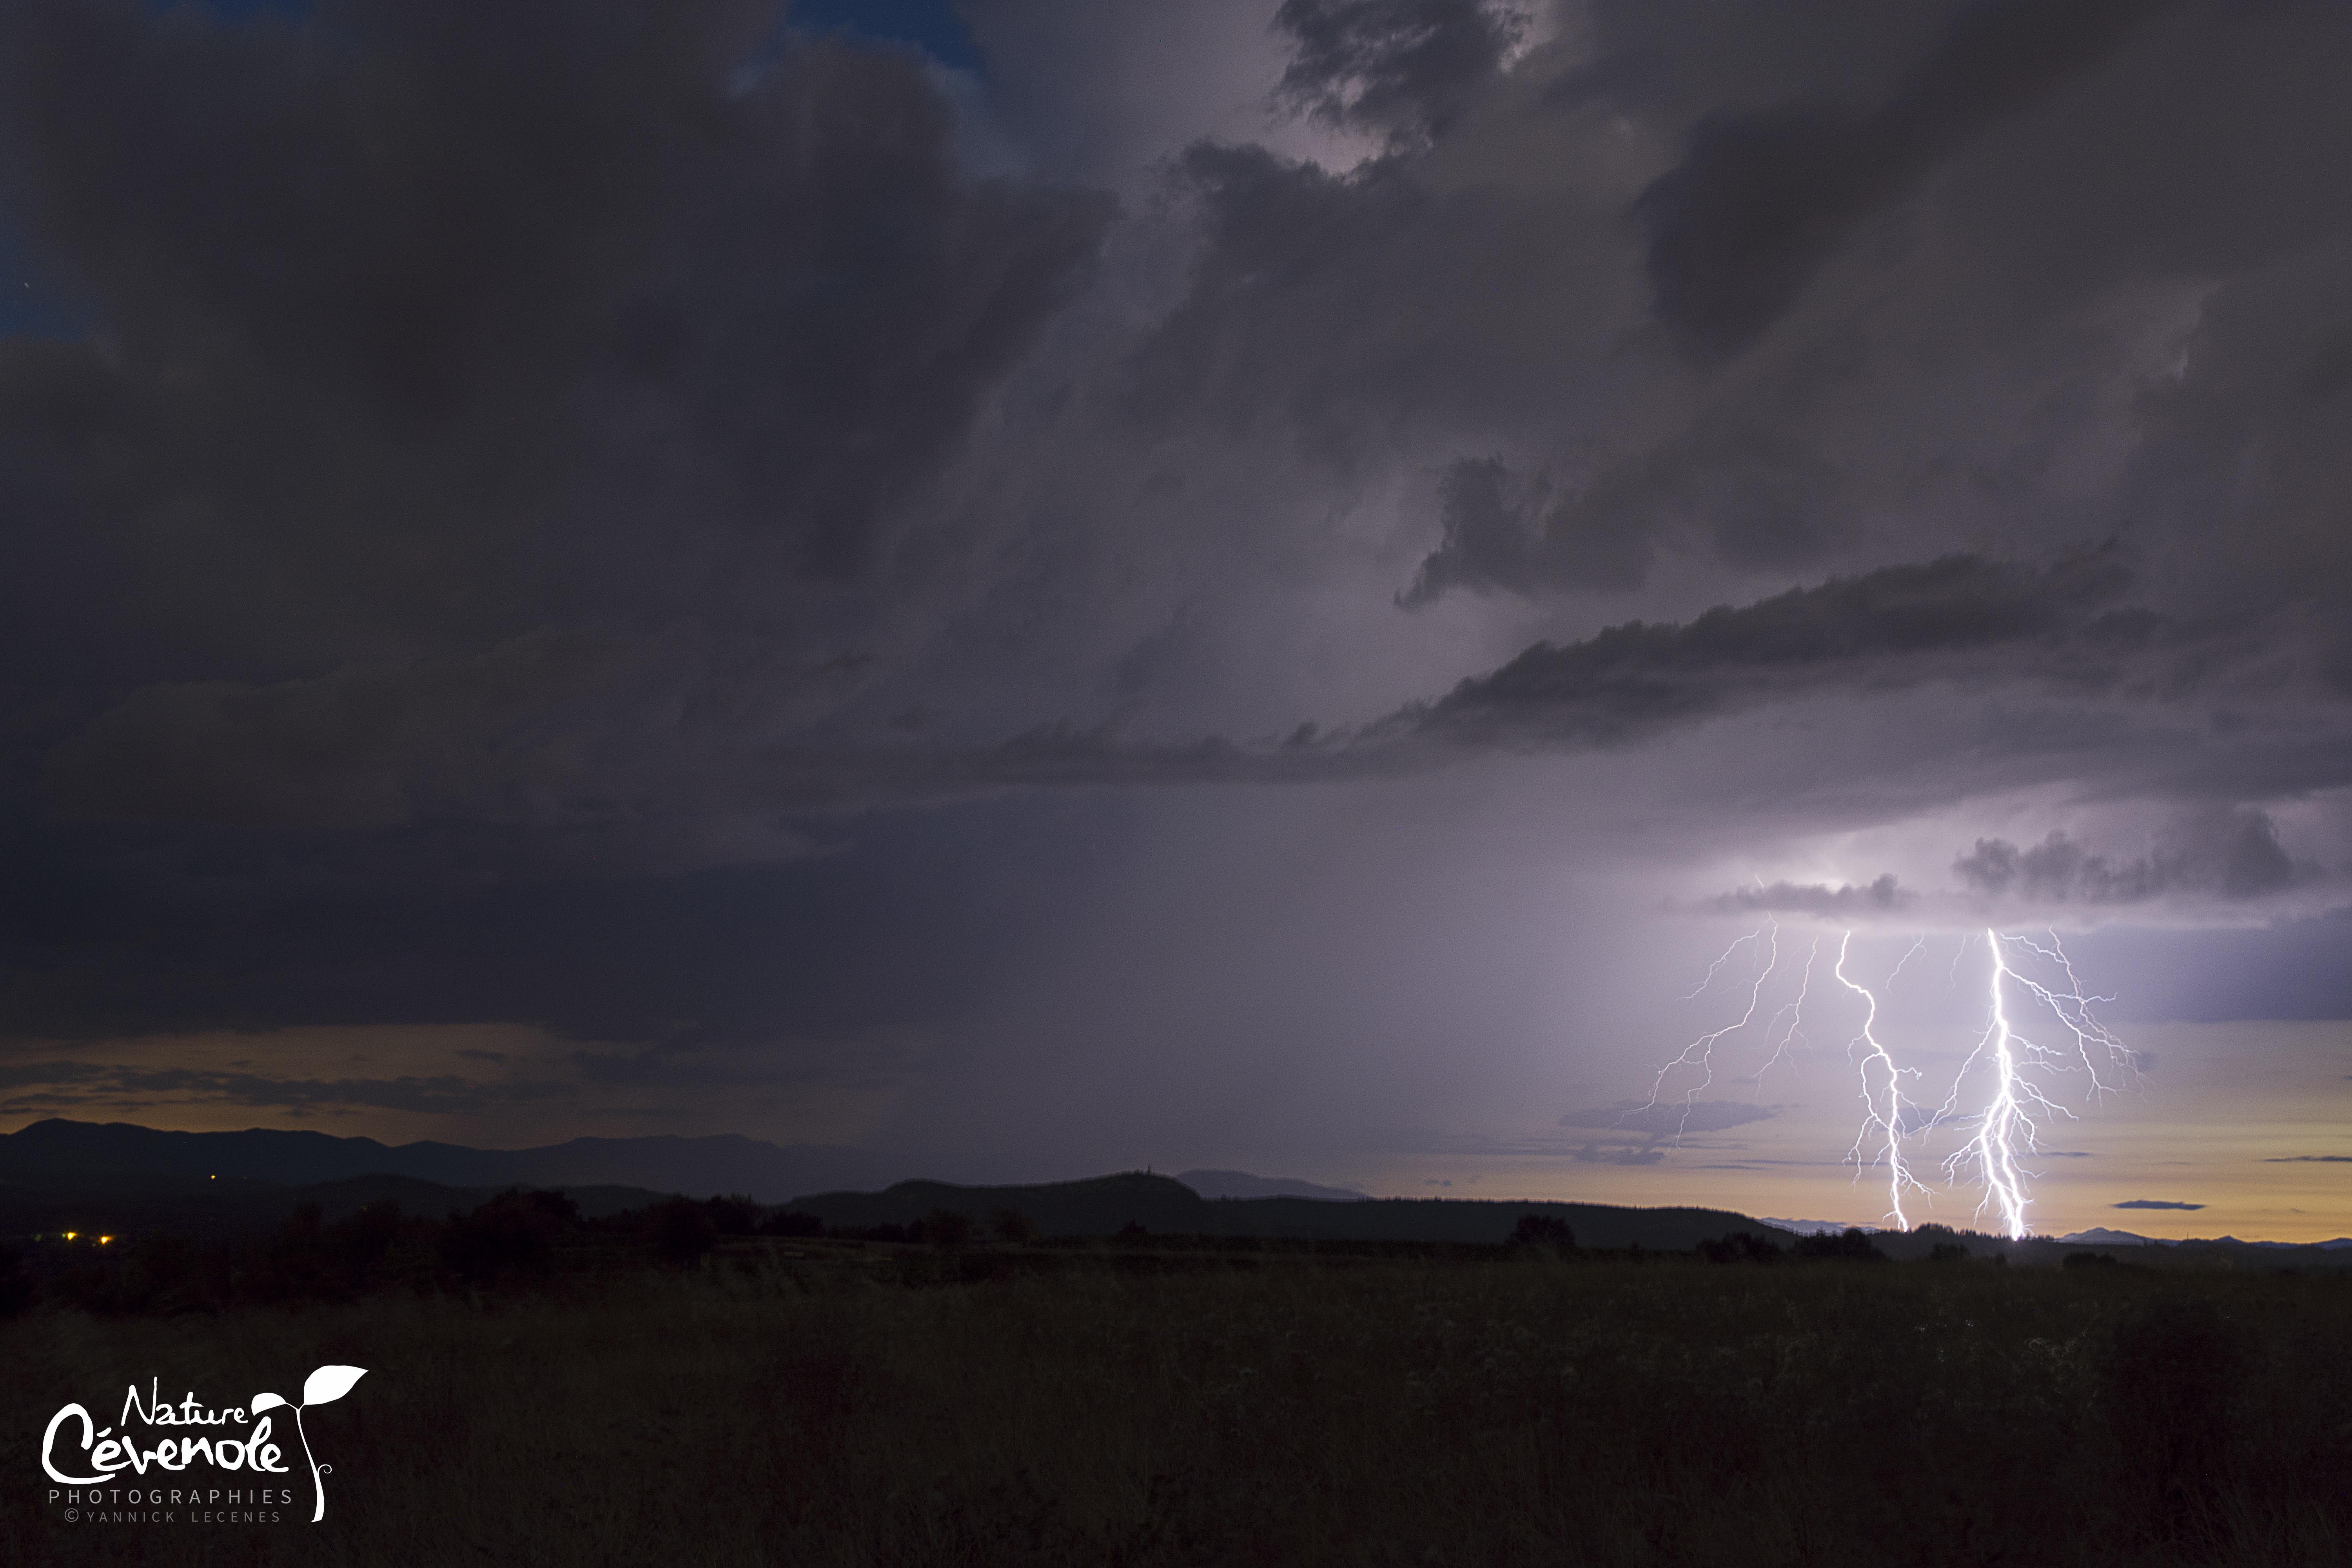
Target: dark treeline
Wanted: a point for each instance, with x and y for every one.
(518, 1239)
(526, 1239)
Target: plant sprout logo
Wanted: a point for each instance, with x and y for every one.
(109, 1456)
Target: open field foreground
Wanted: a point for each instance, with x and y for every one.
(802, 1411)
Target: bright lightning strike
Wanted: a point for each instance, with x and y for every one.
(2007, 1129)
(1887, 1123)
(1700, 1052)
(1794, 1012)
(1725, 957)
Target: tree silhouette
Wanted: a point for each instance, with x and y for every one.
(1853, 1247)
(1543, 1230)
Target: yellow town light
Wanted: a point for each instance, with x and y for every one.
(71, 1233)
(104, 1239)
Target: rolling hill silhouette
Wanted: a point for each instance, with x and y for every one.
(58, 1172)
(1104, 1206)
(59, 1149)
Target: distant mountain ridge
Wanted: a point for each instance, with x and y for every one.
(69, 1168)
(1104, 1206)
(2100, 1235)
(728, 1163)
(1242, 1184)
(725, 1162)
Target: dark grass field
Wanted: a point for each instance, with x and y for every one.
(824, 1404)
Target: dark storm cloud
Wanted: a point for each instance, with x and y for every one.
(472, 407)
(1507, 529)
(1880, 897)
(2218, 852)
(533, 501)
(113, 933)
(1961, 622)
(359, 747)
(1302, 269)
(1738, 227)
(1667, 1119)
(1398, 69)
(1961, 617)
(2005, 241)
(447, 368)
(2309, 1160)
(417, 271)
(2155, 1204)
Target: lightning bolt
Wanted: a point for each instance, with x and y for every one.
(1889, 1120)
(1794, 1012)
(1700, 1052)
(2009, 1130)
(1715, 968)
(2091, 1040)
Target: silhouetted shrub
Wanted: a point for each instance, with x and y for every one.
(791, 1222)
(2089, 1260)
(681, 1232)
(97, 1286)
(154, 1274)
(1739, 1247)
(512, 1234)
(299, 1264)
(946, 1227)
(1948, 1252)
(734, 1215)
(1012, 1225)
(17, 1290)
(371, 1232)
(304, 1259)
(168, 1270)
(1853, 1247)
(1543, 1230)
(1133, 1231)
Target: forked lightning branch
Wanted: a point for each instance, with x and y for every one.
(2037, 1028)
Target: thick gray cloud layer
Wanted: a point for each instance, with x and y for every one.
(417, 274)
(1763, 197)
(1877, 901)
(624, 479)
(2224, 853)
